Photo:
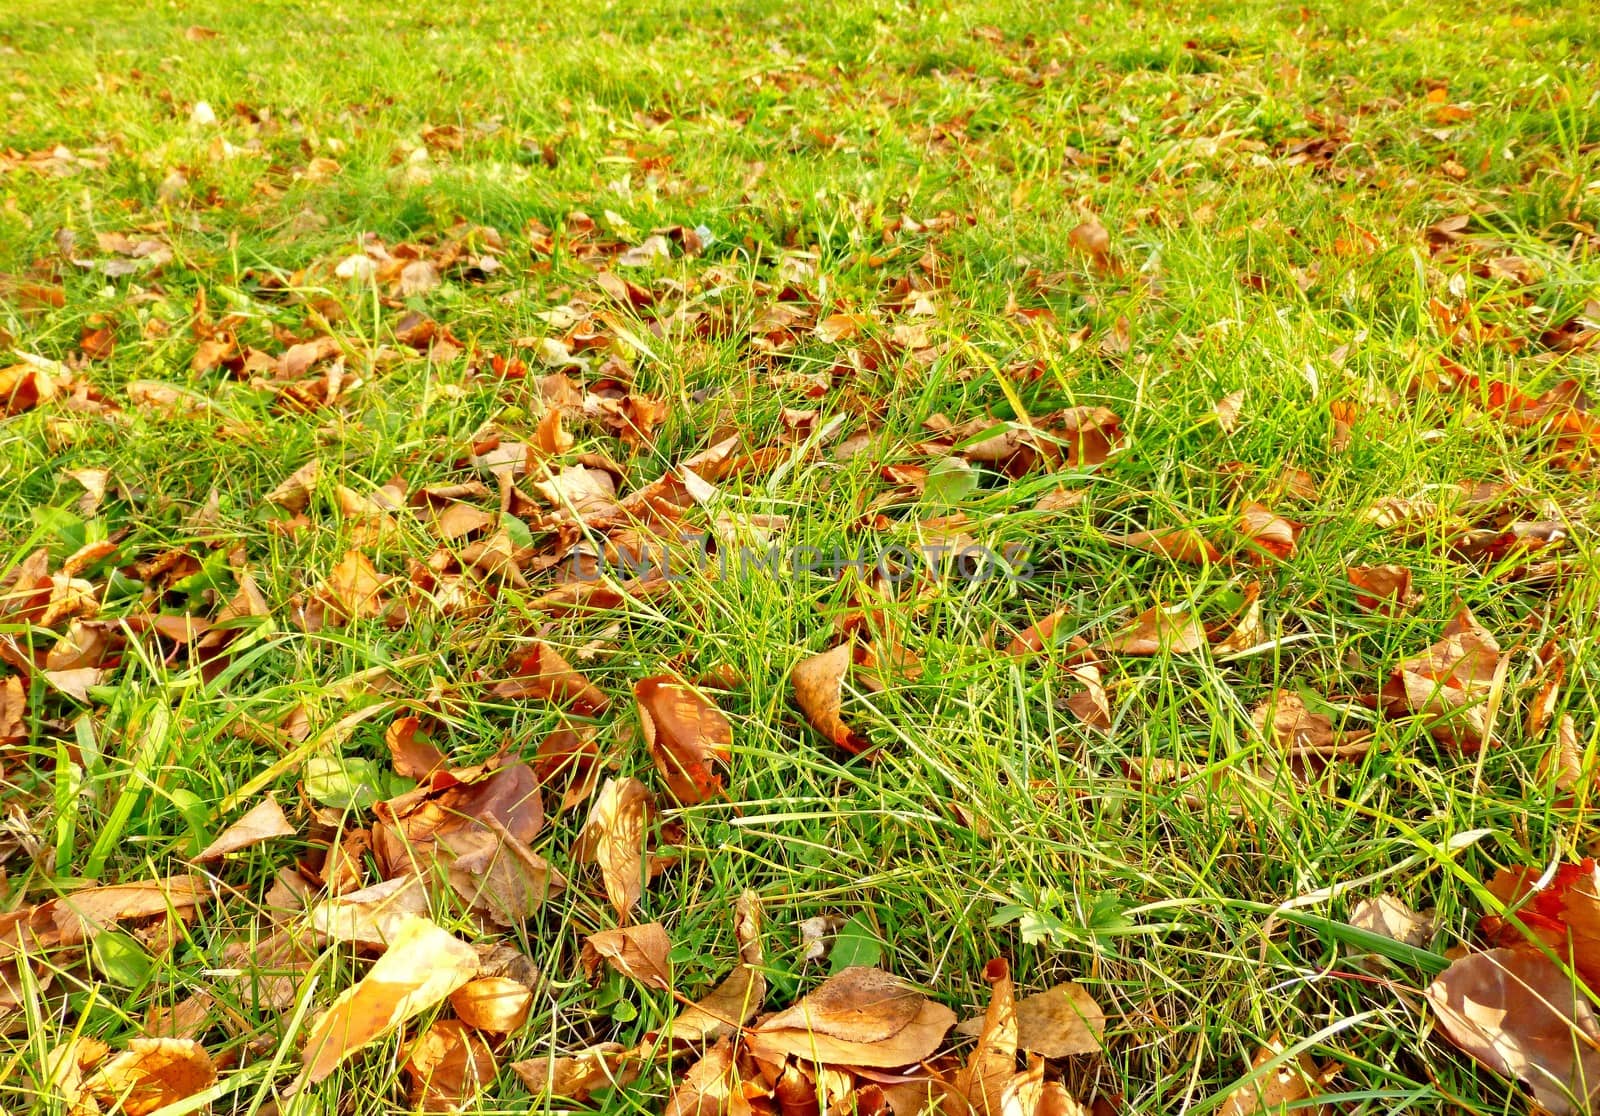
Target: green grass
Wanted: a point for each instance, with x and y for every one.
(819, 135)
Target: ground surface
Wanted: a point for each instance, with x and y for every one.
(1298, 253)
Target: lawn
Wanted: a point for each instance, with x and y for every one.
(364, 364)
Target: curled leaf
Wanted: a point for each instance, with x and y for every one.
(688, 737)
(818, 685)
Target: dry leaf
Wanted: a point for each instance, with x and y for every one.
(495, 1004)
(351, 589)
(1061, 1021)
(263, 823)
(543, 673)
(420, 969)
(1227, 411)
(1382, 589)
(614, 837)
(735, 1001)
(588, 1071)
(1268, 532)
(637, 952)
(1563, 762)
(1384, 914)
(688, 737)
(1456, 681)
(151, 1074)
(1180, 544)
(818, 682)
(1090, 237)
(1520, 1015)
(294, 492)
(448, 1065)
(1298, 1079)
(1156, 630)
(373, 916)
(414, 756)
(993, 1061)
(708, 1087)
(861, 1017)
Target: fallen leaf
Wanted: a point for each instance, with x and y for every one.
(94, 483)
(1180, 544)
(614, 837)
(1155, 630)
(372, 916)
(1279, 1089)
(496, 1004)
(740, 995)
(448, 1065)
(688, 737)
(1522, 1017)
(600, 1067)
(1227, 411)
(418, 971)
(1387, 915)
(708, 1087)
(294, 491)
(1383, 589)
(818, 682)
(1056, 1023)
(993, 1062)
(543, 673)
(151, 1074)
(352, 588)
(861, 1017)
(1455, 682)
(1090, 237)
(414, 755)
(1562, 764)
(262, 823)
(1268, 532)
(637, 952)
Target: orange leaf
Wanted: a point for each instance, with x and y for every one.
(818, 683)
(687, 735)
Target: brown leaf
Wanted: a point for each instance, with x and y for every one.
(543, 673)
(24, 386)
(599, 1067)
(1563, 761)
(80, 915)
(1227, 411)
(1061, 1021)
(638, 952)
(614, 838)
(262, 823)
(448, 1065)
(993, 1061)
(1029, 1094)
(13, 710)
(548, 437)
(1180, 544)
(94, 483)
(818, 682)
(1456, 681)
(1268, 532)
(495, 1004)
(1276, 1090)
(497, 873)
(1090, 237)
(1382, 589)
(1521, 1016)
(1389, 916)
(861, 1017)
(294, 491)
(372, 916)
(1155, 630)
(414, 755)
(1284, 720)
(352, 588)
(420, 969)
(688, 737)
(709, 1086)
(735, 1001)
(151, 1074)
(1033, 639)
